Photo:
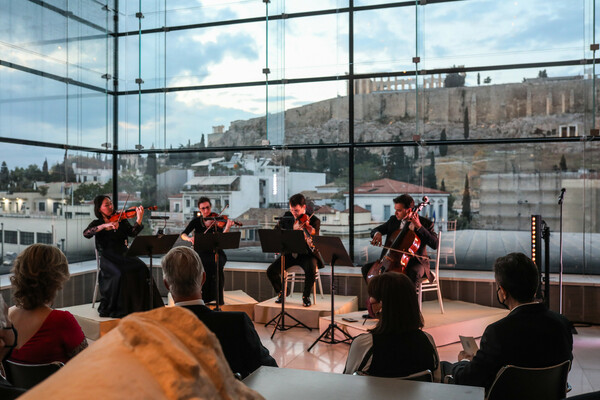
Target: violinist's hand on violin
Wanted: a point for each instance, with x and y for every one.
(139, 213)
(111, 226)
(228, 225)
(377, 239)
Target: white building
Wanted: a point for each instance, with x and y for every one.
(334, 222)
(378, 198)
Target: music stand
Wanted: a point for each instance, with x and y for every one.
(151, 245)
(332, 250)
(214, 242)
(283, 242)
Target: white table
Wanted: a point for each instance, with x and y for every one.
(291, 384)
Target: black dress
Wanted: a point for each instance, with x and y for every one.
(123, 281)
(209, 289)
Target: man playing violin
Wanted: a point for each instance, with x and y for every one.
(418, 266)
(308, 262)
(123, 280)
(208, 222)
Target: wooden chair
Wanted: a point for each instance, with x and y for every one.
(426, 286)
(517, 383)
(27, 376)
(296, 274)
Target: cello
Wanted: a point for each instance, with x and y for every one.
(400, 246)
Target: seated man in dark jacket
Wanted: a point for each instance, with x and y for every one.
(529, 336)
(183, 277)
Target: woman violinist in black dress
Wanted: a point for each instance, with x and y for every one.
(123, 280)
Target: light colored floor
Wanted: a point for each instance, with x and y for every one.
(289, 350)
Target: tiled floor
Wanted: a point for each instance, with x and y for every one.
(289, 349)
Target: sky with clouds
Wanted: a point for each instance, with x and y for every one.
(469, 33)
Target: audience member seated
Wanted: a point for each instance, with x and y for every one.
(529, 336)
(45, 335)
(166, 353)
(184, 276)
(8, 341)
(397, 346)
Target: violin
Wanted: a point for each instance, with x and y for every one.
(221, 220)
(129, 213)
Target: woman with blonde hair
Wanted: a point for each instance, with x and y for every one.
(45, 335)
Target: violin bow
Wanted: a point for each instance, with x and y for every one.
(124, 205)
(404, 252)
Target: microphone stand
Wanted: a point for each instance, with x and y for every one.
(561, 198)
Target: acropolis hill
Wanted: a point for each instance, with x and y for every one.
(536, 107)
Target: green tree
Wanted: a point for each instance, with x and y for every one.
(478, 79)
(563, 163)
(149, 181)
(466, 202)
(308, 160)
(4, 176)
(466, 123)
(542, 74)
(430, 178)
(399, 166)
(45, 169)
(321, 159)
(87, 191)
(335, 166)
(454, 79)
(487, 80)
(443, 186)
(443, 147)
(294, 160)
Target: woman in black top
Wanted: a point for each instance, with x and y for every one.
(123, 281)
(397, 346)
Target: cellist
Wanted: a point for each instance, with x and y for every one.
(417, 267)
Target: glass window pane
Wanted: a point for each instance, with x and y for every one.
(314, 46)
(314, 113)
(219, 117)
(384, 40)
(491, 191)
(186, 12)
(523, 32)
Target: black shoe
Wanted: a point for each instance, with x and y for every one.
(306, 301)
(279, 298)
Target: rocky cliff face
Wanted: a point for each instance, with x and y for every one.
(496, 111)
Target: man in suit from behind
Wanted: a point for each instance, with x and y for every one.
(529, 336)
(183, 276)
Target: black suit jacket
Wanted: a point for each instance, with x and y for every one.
(240, 342)
(530, 336)
(425, 233)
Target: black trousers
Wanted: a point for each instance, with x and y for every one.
(307, 262)
(209, 289)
